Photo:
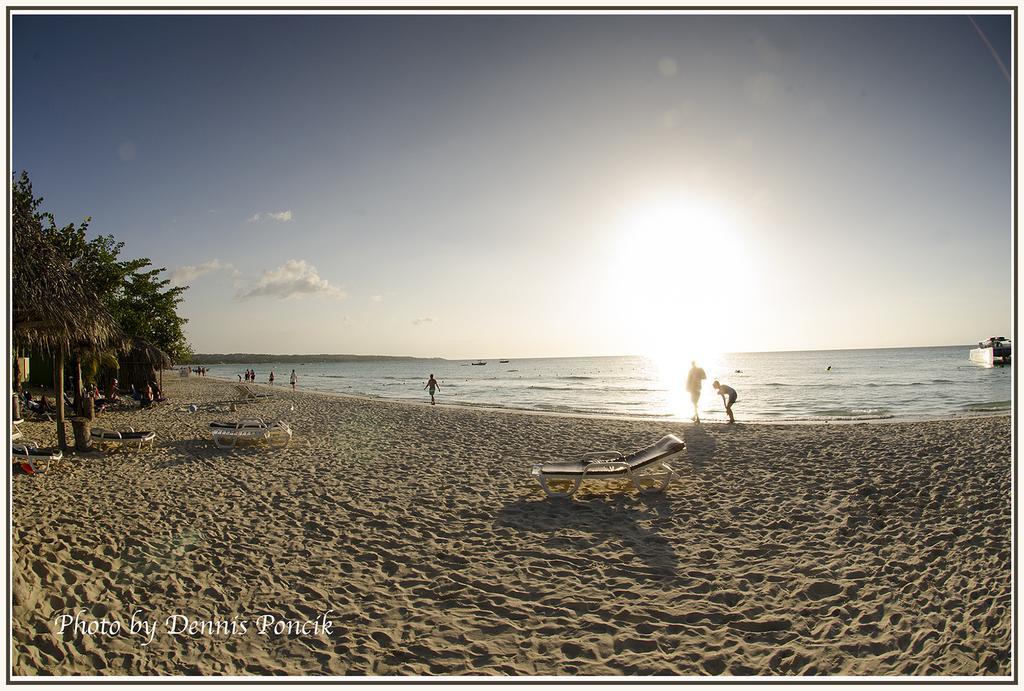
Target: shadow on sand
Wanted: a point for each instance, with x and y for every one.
(622, 517)
(185, 451)
(700, 447)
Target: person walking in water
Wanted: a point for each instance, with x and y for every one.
(294, 378)
(271, 377)
(432, 385)
(694, 382)
(728, 395)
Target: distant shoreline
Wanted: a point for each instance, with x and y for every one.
(256, 358)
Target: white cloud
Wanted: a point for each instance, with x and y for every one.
(184, 275)
(282, 216)
(294, 278)
(376, 298)
(422, 320)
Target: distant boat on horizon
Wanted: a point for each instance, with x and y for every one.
(478, 363)
(503, 361)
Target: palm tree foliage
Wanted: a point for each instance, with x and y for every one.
(79, 297)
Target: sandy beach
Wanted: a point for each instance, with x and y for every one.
(418, 533)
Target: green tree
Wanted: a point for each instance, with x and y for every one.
(147, 308)
(144, 305)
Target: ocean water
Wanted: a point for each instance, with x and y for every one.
(894, 383)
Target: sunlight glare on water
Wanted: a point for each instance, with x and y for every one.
(670, 370)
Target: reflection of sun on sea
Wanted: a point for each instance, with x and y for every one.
(679, 278)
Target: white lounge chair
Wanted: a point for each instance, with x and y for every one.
(16, 432)
(248, 394)
(228, 435)
(33, 459)
(648, 469)
(129, 436)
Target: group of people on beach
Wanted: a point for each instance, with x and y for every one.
(146, 395)
(198, 371)
(250, 376)
(694, 384)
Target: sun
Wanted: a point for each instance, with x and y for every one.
(679, 273)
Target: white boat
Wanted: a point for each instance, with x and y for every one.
(995, 351)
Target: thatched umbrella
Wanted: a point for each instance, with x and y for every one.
(142, 362)
(53, 309)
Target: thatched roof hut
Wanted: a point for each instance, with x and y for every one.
(53, 310)
(143, 363)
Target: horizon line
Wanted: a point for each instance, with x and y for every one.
(553, 357)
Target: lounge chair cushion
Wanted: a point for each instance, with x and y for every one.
(110, 435)
(668, 445)
(244, 424)
(577, 468)
(21, 451)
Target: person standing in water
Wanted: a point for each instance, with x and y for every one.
(271, 377)
(432, 385)
(728, 395)
(294, 379)
(694, 382)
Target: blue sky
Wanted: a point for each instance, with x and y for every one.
(479, 186)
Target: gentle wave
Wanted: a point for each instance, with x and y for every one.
(875, 385)
(988, 406)
(607, 390)
(854, 413)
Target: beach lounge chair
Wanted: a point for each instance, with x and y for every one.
(648, 469)
(276, 432)
(16, 429)
(249, 394)
(129, 436)
(33, 459)
(34, 410)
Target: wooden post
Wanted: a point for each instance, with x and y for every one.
(17, 372)
(76, 379)
(58, 387)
